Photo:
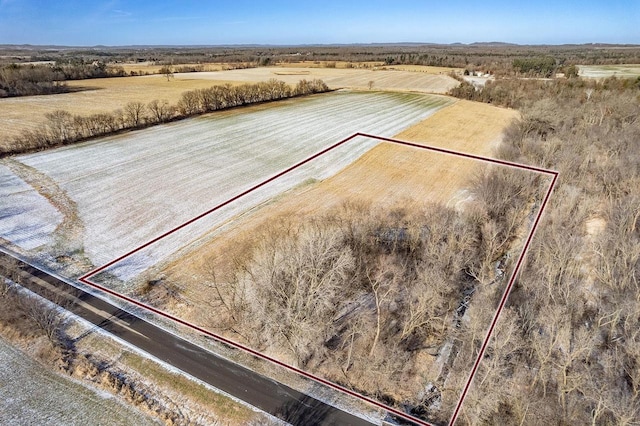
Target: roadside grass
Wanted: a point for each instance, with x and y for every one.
(226, 408)
(177, 387)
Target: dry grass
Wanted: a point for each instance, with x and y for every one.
(604, 71)
(386, 175)
(108, 94)
(342, 78)
(98, 95)
(327, 64)
(150, 68)
(193, 397)
(422, 68)
(34, 394)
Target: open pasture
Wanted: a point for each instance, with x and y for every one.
(604, 71)
(144, 68)
(130, 188)
(108, 94)
(94, 96)
(340, 78)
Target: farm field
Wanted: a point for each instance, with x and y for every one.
(380, 66)
(31, 394)
(387, 178)
(109, 94)
(603, 71)
(342, 78)
(128, 189)
(27, 209)
(386, 175)
(96, 96)
(151, 68)
(421, 68)
(325, 64)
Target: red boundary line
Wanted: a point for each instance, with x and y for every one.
(85, 278)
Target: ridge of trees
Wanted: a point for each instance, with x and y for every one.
(63, 128)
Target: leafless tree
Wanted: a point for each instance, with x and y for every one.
(134, 113)
(167, 71)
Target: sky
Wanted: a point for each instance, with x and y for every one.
(279, 22)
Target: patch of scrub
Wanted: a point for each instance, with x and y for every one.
(27, 219)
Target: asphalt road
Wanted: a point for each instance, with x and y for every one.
(266, 394)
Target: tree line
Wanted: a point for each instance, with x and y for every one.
(45, 79)
(62, 127)
(495, 58)
(567, 348)
(518, 93)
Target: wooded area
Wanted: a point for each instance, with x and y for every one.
(567, 348)
(372, 298)
(362, 295)
(45, 79)
(501, 59)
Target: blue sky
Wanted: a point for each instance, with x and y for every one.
(122, 22)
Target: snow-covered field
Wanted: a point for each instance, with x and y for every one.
(26, 217)
(32, 395)
(131, 188)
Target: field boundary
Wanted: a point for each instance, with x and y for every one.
(85, 279)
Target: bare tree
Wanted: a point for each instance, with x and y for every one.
(134, 113)
(167, 71)
(161, 111)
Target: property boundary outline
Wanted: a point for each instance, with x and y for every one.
(552, 173)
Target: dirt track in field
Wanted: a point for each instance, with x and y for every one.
(388, 175)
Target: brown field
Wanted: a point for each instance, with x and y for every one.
(388, 175)
(340, 78)
(151, 68)
(422, 68)
(108, 94)
(98, 95)
(326, 64)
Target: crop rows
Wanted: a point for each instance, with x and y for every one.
(131, 188)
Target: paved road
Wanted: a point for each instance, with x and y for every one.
(261, 392)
